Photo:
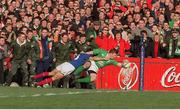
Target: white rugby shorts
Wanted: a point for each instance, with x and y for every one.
(65, 68)
(93, 67)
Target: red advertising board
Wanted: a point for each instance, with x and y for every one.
(159, 74)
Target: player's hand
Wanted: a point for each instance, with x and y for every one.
(126, 64)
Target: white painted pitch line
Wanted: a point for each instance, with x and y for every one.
(50, 94)
(4, 96)
(23, 96)
(36, 95)
(55, 94)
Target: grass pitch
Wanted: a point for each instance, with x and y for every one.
(33, 98)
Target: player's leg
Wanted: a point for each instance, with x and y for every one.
(93, 76)
(45, 74)
(80, 69)
(89, 78)
(93, 69)
(92, 84)
(60, 71)
(77, 73)
(56, 76)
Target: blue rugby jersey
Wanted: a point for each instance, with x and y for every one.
(80, 60)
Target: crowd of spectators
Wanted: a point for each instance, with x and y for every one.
(37, 35)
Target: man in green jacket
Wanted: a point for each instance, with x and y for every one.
(33, 54)
(61, 53)
(20, 50)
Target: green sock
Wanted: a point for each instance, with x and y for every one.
(78, 71)
(84, 80)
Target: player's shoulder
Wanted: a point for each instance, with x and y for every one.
(99, 49)
(84, 54)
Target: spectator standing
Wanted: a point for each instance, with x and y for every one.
(33, 54)
(45, 55)
(122, 44)
(148, 44)
(173, 45)
(61, 53)
(159, 47)
(3, 54)
(20, 50)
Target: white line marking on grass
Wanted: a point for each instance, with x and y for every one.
(76, 92)
(98, 91)
(23, 96)
(4, 96)
(55, 94)
(111, 91)
(50, 94)
(70, 93)
(36, 95)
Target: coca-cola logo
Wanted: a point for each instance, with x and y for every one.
(170, 78)
(128, 77)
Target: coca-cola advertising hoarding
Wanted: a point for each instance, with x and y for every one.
(159, 74)
(170, 78)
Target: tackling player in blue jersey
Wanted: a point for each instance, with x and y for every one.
(66, 68)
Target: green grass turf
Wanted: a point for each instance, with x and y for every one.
(17, 98)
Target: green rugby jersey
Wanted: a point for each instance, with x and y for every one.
(104, 63)
(103, 53)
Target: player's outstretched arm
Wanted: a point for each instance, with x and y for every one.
(96, 58)
(124, 64)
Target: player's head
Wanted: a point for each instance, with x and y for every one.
(112, 53)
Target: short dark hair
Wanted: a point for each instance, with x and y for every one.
(143, 31)
(113, 51)
(63, 34)
(29, 30)
(21, 33)
(45, 29)
(142, 20)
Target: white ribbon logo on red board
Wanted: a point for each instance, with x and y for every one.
(170, 78)
(128, 77)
